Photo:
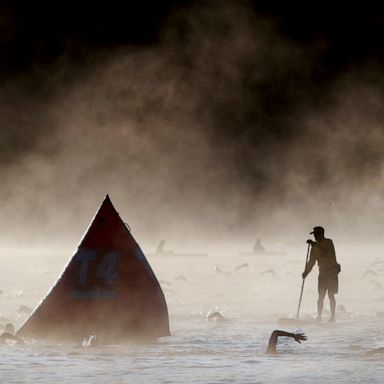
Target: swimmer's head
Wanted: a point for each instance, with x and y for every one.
(9, 328)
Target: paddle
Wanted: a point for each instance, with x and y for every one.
(302, 285)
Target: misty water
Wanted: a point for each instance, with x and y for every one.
(252, 298)
(224, 128)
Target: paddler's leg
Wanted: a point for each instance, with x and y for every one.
(320, 303)
(332, 303)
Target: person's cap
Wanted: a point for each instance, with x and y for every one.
(317, 230)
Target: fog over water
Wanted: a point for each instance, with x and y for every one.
(223, 132)
(220, 128)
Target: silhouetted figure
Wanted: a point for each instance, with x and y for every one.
(160, 247)
(258, 248)
(9, 328)
(323, 252)
(299, 337)
(9, 334)
(160, 250)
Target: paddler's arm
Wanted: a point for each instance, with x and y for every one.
(312, 259)
(275, 335)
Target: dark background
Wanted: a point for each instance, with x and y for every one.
(36, 35)
(38, 32)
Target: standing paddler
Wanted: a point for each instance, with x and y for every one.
(323, 251)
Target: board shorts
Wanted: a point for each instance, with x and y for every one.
(329, 280)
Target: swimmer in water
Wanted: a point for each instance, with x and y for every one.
(9, 334)
(258, 248)
(271, 350)
(216, 316)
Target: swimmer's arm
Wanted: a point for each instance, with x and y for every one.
(275, 335)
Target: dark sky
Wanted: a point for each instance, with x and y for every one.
(36, 35)
(38, 32)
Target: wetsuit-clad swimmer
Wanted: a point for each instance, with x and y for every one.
(299, 337)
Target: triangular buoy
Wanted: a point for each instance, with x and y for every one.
(108, 289)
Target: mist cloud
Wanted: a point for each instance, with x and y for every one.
(216, 131)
